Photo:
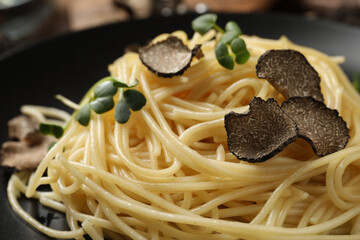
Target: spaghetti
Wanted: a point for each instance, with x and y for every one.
(167, 172)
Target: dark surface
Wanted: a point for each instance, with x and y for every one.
(70, 64)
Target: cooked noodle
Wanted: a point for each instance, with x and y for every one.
(168, 174)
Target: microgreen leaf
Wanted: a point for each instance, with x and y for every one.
(135, 99)
(242, 57)
(51, 129)
(57, 131)
(204, 23)
(45, 128)
(238, 45)
(109, 78)
(122, 111)
(223, 57)
(102, 104)
(105, 89)
(134, 84)
(232, 26)
(120, 84)
(227, 37)
(83, 116)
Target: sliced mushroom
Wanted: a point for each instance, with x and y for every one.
(321, 126)
(260, 133)
(168, 58)
(290, 73)
(28, 146)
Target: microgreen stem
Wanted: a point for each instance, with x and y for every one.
(218, 28)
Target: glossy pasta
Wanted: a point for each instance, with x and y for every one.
(167, 173)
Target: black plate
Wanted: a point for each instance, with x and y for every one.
(70, 64)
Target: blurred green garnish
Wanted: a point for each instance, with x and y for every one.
(51, 129)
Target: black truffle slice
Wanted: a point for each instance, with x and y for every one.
(321, 126)
(169, 57)
(290, 73)
(261, 133)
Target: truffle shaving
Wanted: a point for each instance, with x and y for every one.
(27, 147)
(290, 73)
(260, 133)
(321, 126)
(25, 128)
(169, 57)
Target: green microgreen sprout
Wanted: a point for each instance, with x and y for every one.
(102, 100)
(122, 111)
(204, 23)
(230, 39)
(83, 116)
(51, 129)
(102, 104)
(134, 99)
(356, 81)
